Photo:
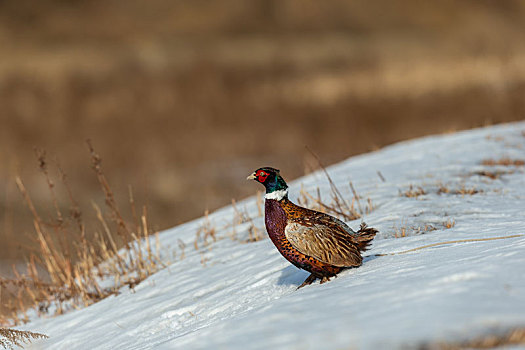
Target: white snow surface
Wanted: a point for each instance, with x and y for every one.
(244, 295)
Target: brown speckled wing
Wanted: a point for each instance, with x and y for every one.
(324, 238)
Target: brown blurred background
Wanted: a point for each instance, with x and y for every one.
(184, 98)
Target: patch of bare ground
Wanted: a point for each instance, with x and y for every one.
(513, 337)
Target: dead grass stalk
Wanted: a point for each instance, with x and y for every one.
(11, 338)
(64, 275)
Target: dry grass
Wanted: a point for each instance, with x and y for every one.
(417, 191)
(254, 234)
(182, 246)
(11, 338)
(207, 231)
(241, 217)
(337, 204)
(413, 192)
(67, 269)
(491, 340)
(462, 190)
(493, 175)
(503, 162)
(406, 230)
(449, 223)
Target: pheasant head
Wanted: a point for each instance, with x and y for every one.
(276, 187)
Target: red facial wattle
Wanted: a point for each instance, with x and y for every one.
(261, 176)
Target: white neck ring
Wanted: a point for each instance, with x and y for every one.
(277, 195)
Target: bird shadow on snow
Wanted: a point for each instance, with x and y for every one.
(291, 275)
(368, 258)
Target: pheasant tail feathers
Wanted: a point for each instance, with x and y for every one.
(364, 236)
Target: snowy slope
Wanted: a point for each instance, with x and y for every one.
(244, 295)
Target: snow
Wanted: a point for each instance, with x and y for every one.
(234, 295)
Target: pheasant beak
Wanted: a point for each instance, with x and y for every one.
(251, 177)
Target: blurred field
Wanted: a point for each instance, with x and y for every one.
(184, 99)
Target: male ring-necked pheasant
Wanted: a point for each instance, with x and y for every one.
(311, 240)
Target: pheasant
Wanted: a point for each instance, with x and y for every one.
(311, 240)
